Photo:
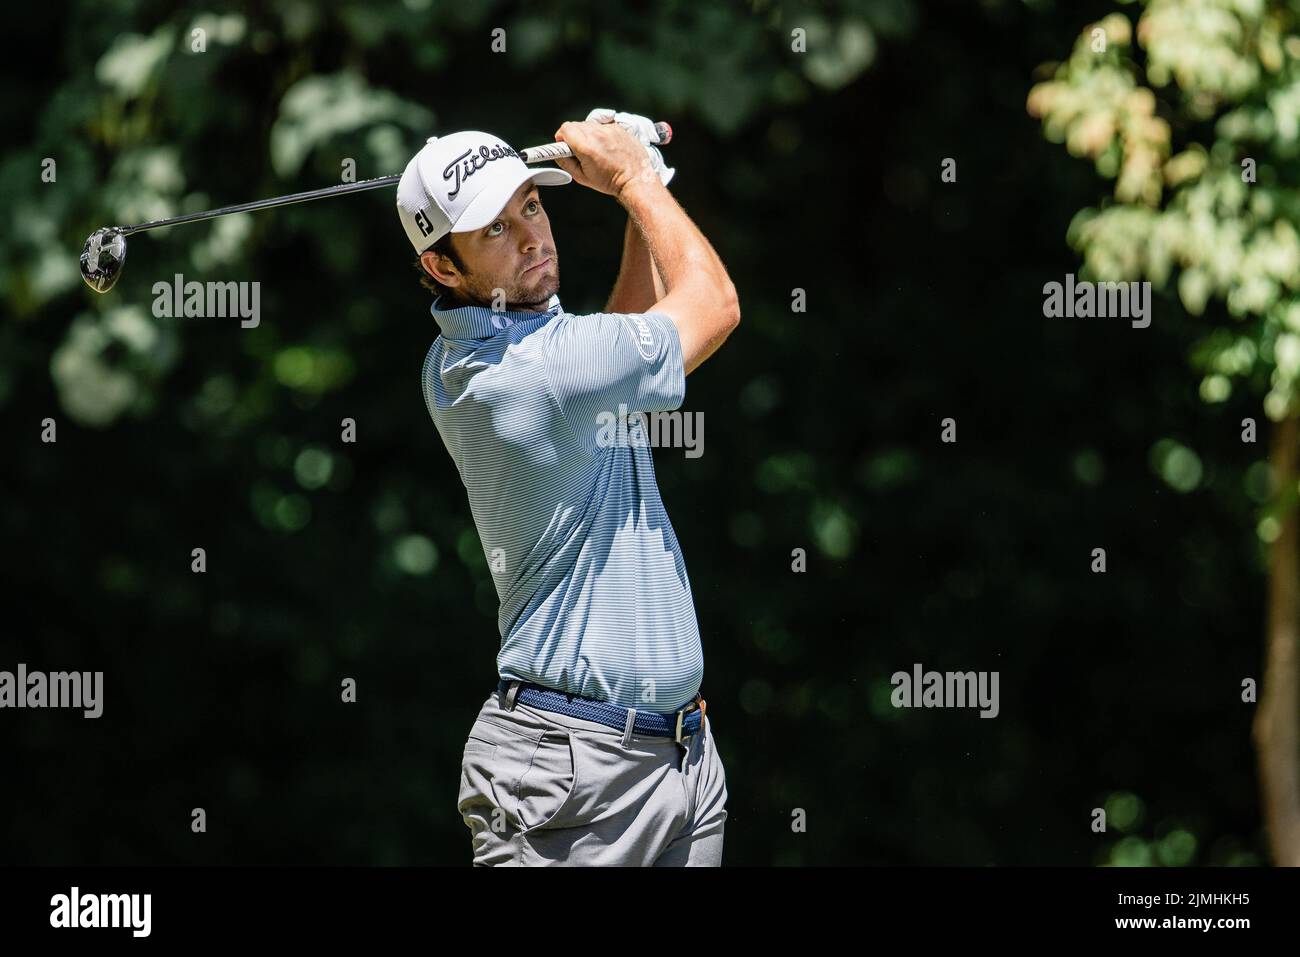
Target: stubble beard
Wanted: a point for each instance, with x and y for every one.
(520, 296)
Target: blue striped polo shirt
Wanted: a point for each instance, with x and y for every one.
(594, 598)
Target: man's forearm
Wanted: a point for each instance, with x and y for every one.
(678, 248)
(638, 286)
(699, 296)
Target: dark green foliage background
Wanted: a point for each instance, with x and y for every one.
(924, 301)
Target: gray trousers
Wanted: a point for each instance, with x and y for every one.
(542, 788)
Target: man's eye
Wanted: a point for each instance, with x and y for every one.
(494, 226)
(534, 202)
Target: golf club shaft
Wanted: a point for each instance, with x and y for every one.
(265, 203)
(533, 154)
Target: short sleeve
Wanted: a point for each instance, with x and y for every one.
(598, 362)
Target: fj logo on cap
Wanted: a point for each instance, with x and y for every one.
(422, 223)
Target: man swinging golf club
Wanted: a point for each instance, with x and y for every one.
(595, 748)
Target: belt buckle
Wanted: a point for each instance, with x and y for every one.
(700, 705)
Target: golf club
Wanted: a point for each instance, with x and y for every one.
(104, 252)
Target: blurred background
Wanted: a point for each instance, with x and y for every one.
(815, 170)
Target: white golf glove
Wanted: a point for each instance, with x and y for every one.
(644, 130)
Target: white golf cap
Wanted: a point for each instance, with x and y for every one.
(461, 182)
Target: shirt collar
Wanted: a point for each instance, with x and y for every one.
(480, 322)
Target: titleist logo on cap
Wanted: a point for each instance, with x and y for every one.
(467, 164)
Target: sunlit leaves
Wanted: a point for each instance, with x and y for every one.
(1215, 232)
(320, 107)
(1179, 466)
(134, 60)
(415, 554)
(312, 369)
(107, 363)
(838, 54)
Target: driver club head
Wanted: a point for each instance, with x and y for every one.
(102, 258)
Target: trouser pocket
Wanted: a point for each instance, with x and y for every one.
(516, 778)
(546, 789)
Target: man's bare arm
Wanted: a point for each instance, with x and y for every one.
(638, 286)
(699, 295)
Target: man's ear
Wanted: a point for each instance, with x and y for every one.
(440, 267)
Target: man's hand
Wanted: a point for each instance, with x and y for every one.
(606, 157)
(643, 128)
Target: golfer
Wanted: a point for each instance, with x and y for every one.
(595, 748)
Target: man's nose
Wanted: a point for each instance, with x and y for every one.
(532, 239)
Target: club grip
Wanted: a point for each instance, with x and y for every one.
(548, 151)
(554, 151)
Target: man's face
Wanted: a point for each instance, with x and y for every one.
(514, 253)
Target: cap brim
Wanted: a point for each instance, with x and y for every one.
(487, 205)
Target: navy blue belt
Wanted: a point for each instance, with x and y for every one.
(672, 724)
